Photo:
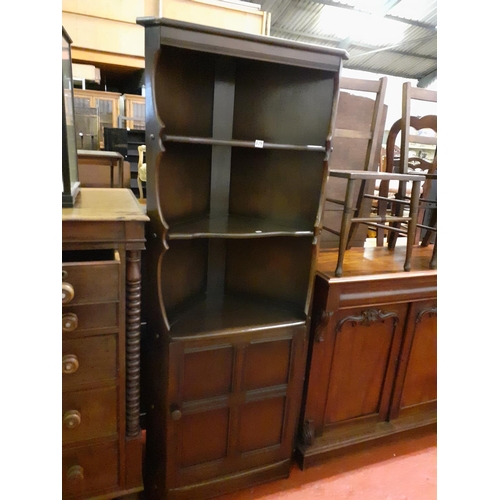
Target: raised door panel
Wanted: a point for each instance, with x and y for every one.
(200, 385)
(416, 383)
(233, 403)
(363, 363)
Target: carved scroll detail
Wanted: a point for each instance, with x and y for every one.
(431, 311)
(323, 320)
(367, 318)
(133, 340)
(308, 433)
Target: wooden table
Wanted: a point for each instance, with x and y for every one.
(372, 355)
(114, 159)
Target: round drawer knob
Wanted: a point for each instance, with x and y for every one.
(68, 292)
(72, 419)
(176, 414)
(75, 473)
(70, 364)
(69, 322)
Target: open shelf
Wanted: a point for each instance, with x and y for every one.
(232, 314)
(234, 226)
(242, 144)
(272, 269)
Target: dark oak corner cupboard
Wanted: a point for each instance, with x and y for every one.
(238, 138)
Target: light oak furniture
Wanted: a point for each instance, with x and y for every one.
(106, 33)
(356, 146)
(409, 95)
(396, 204)
(238, 136)
(351, 209)
(372, 367)
(89, 160)
(135, 111)
(102, 240)
(107, 105)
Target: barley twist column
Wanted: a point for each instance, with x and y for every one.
(133, 340)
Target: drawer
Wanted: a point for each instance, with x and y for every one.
(89, 414)
(90, 317)
(88, 360)
(89, 469)
(93, 278)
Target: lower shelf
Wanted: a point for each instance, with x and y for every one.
(230, 314)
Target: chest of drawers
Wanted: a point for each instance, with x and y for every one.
(102, 237)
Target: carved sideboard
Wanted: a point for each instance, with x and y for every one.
(102, 239)
(372, 368)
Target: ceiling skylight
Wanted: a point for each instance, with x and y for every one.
(360, 27)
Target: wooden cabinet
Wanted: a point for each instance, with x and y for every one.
(107, 106)
(103, 235)
(237, 138)
(372, 369)
(135, 111)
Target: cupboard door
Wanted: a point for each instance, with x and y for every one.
(365, 352)
(415, 389)
(135, 108)
(233, 403)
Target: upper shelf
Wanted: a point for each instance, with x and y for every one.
(258, 144)
(233, 226)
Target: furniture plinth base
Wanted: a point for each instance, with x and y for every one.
(337, 442)
(231, 483)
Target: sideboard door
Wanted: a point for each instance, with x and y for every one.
(415, 389)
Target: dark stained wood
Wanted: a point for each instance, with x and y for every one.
(235, 226)
(371, 366)
(263, 48)
(96, 358)
(100, 344)
(83, 476)
(239, 131)
(295, 175)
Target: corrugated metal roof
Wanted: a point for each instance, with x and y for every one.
(347, 25)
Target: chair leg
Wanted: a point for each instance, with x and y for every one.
(428, 233)
(433, 262)
(412, 224)
(345, 227)
(398, 211)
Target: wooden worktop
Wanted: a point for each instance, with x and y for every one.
(375, 261)
(105, 204)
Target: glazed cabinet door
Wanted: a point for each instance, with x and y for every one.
(415, 389)
(355, 353)
(234, 404)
